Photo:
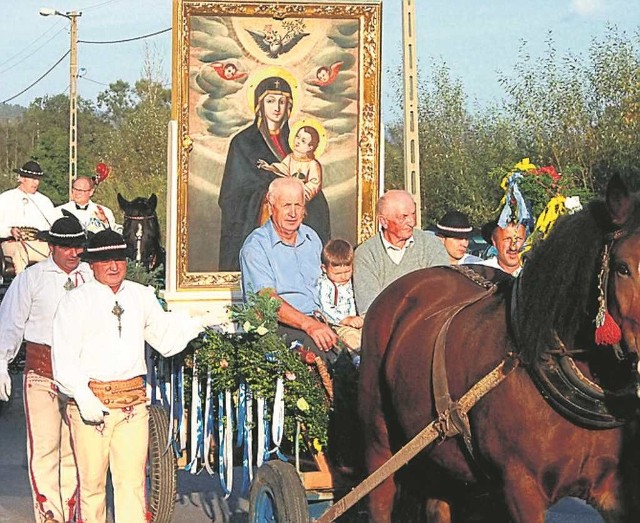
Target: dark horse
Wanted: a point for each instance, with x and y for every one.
(141, 230)
(526, 453)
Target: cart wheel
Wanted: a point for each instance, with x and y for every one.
(277, 495)
(161, 467)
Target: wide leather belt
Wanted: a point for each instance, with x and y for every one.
(38, 359)
(118, 394)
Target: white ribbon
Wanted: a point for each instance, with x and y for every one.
(228, 443)
(208, 426)
(260, 446)
(277, 423)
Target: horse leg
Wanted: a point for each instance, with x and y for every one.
(524, 497)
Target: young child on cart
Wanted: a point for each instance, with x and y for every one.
(337, 302)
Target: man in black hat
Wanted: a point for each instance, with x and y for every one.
(23, 212)
(99, 332)
(26, 312)
(454, 230)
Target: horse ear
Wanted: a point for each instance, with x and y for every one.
(122, 202)
(619, 202)
(153, 201)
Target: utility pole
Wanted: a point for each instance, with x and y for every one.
(72, 16)
(410, 80)
(73, 100)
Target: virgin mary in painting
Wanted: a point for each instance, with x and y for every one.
(244, 184)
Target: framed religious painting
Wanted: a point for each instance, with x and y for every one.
(266, 90)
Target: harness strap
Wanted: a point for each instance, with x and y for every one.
(424, 438)
(452, 420)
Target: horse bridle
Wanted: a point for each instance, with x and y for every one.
(559, 379)
(140, 218)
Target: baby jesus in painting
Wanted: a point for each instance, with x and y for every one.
(301, 163)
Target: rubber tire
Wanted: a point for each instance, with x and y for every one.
(161, 468)
(277, 495)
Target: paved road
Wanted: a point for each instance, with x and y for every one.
(199, 497)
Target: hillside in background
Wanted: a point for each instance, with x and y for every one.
(8, 111)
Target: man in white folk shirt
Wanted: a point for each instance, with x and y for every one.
(26, 312)
(99, 332)
(93, 217)
(23, 212)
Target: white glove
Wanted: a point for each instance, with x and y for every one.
(91, 408)
(5, 381)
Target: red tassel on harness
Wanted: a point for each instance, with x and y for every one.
(609, 332)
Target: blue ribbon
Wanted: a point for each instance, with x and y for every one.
(222, 472)
(267, 433)
(152, 376)
(513, 192)
(244, 426)
(241, 412)
(179, 444)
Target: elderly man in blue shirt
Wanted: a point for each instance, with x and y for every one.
(284, 255)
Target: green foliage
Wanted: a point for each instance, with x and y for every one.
(258, 356)
(579, 114)
(140, 274)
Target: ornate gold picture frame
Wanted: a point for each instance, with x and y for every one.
(250, 79)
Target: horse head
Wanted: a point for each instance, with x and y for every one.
(141, 230)
(622, 297)
(580, 290)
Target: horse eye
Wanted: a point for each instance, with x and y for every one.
(621, 269)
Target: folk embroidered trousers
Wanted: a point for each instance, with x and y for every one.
(119, 444)
(25, 252)
(51, 466)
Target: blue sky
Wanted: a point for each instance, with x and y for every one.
(475, 38)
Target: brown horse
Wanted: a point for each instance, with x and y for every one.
(522, 451)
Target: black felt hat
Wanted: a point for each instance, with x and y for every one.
(454, 224)
(65, 232)
(106, 245)
(30, 169)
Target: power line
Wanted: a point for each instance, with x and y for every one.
(126, 40)
(93, 81)
(38, 80)
(31, 54)
(24, 49)
(100, 4)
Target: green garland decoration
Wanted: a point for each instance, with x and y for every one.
(258, 356)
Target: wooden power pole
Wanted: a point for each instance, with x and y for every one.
(410, 80)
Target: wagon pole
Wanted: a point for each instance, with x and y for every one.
(410, 83)
(424, 438)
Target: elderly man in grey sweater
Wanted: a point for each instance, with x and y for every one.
(396, 250)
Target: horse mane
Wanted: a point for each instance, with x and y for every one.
(558, 291)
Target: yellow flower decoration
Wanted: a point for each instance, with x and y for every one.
(316, 445)
(246, 326)
(262, 330)
(524, 166)
(302, 404)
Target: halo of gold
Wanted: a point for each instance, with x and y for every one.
(265, 72)
(311, 122)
